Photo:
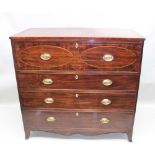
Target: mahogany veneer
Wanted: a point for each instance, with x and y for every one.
(78, 80)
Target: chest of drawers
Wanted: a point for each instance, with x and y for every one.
(82, 81)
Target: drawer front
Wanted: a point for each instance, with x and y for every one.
(43, 57)
(49, 100)
(110, 58)
(100, 101)
(107, 101)
(48, 120)
(71, 81)
(78, 56)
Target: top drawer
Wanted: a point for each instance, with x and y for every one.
(77, 56)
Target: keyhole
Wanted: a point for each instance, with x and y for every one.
(76, 77)
(76, 45)
(76, 95)
(76, 114)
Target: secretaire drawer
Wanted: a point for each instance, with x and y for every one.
(68, 100)
(74, 81)
(50, 119)
(78, 56)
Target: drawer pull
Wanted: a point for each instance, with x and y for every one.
(108, 57)
(45, 56)
(104, 120)
(107, 82)
(51, 119)
(47, 81)
(49, 100)
(105, 101)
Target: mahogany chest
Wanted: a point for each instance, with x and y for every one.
(82, 81)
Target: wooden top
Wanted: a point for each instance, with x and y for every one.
(77, 33)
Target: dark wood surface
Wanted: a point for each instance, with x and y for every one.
(37, 120)
(88, 56)
(84, 82)
(119, 101)
(78, 52)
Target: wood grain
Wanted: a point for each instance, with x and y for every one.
(78, 52)
(64, 33)
(86, 82)
(87, 57)
(119, 101)
(37, 120)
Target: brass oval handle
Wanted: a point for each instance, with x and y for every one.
(104, 120)
(47, 81)
(50, 119)
(48, 100)
(105, 101)
(108, 57)
(45, 56)
(107, 82)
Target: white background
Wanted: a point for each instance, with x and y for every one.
(17, 15)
